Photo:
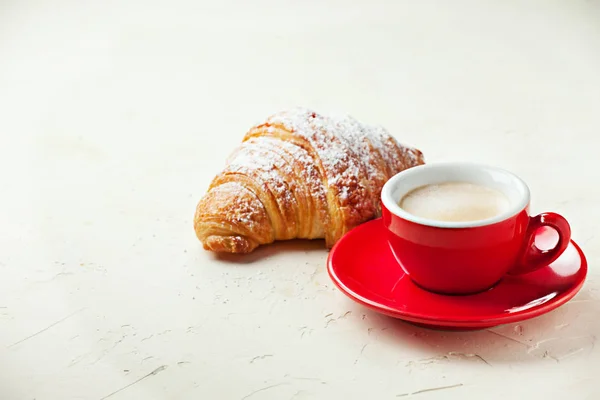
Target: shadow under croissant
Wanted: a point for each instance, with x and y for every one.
(265, 251)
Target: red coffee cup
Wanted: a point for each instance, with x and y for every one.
(467, 257)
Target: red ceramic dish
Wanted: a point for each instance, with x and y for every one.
(362, 266)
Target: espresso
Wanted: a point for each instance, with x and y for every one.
(455, 202)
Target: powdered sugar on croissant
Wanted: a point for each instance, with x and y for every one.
(299, 175)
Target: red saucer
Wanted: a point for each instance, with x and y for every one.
(363, 267)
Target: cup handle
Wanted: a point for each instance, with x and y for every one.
(533, 258)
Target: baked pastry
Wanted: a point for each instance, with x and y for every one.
(299, 175)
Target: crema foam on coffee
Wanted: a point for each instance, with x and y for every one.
(455, 202)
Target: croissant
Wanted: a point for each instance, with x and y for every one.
(299, 175)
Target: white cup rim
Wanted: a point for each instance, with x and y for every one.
(464, 171)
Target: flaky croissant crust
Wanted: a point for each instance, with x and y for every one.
(299, 175)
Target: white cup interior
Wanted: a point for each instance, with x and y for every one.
(496, 178)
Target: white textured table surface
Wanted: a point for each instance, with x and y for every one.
(114, 116)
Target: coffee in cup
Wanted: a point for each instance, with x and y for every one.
(459, 228)
(455, 202)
